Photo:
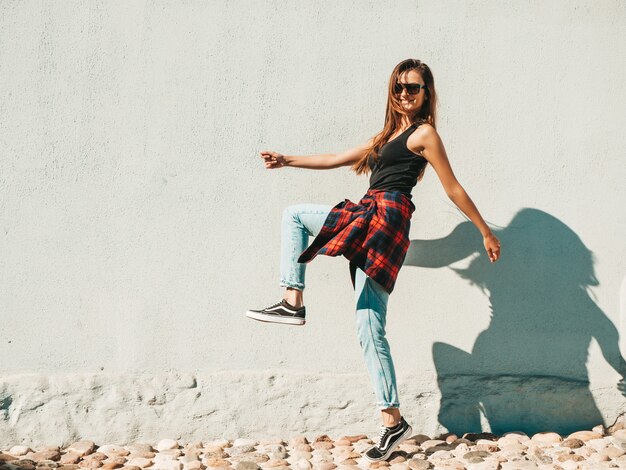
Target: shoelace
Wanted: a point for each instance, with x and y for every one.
(381, 435)
(275, 305)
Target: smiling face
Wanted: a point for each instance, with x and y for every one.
(411, 103)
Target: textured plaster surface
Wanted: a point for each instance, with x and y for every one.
(57, 409)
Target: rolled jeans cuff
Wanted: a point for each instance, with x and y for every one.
(293, 285)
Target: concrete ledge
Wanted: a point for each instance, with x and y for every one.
(57, 409)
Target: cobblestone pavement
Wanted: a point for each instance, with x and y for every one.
(598, 448)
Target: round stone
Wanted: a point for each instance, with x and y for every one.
(193, 465)
(302, 447)
(322, 454)
(438, 448)
(417, 464)
(302, 464)
(353, 439)
(573, 457)
(115, 461)
(95, 456)
(620, 435)
(517, 435)
(451, 464)
(487, 445)
(572, 443)
(139, 462)
(431, 443)
(18, 451)
(462, 440)
(420, 438)
(440, 455)
(519, 465)
(271, 448)
(190, 457)
(399, 466)
(614, 452)
(6, 458)
(264, 442)
(170, 453)
(297, 440)
(216, 455)
(221, 443)
(584, 435)
(539, 456)
(598, 457)
(83, 447)
(112, 449)
(322, 445)
(347, 462)
(69, 458)
(239, 450)
(379, 464)
(324, 466)
(275, 463)
(244, 442)
(51, 454)
(599, 429)
(512, 446)
(547, 438)
(585, 451)
(246, 465)
(598, 444)
(216, 463)
(165, 444)
(139, 447)
(476, 453)
(460, 449)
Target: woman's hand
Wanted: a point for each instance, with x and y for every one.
(492, 245)
(273, 159)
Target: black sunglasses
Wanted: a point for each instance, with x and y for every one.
(411, 88)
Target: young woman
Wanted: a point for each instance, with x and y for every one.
(374, 233)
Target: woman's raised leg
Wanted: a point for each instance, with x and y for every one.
(298, 223)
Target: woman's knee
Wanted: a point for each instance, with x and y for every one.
(291, 214)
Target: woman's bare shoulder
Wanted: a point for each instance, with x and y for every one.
(425, 128)
(418, 139)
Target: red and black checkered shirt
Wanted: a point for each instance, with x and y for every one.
(373, 235)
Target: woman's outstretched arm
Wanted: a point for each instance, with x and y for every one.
(325, 161)
(431, 146)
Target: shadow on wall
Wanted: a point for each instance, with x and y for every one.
(527, 370)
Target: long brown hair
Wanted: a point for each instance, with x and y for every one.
(393, 115)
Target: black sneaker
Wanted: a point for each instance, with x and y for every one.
(281, 312)
(389, 439)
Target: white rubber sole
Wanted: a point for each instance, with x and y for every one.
(274, 319)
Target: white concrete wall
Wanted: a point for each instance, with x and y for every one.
(137, 222)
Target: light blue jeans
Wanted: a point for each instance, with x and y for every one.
(298, 223)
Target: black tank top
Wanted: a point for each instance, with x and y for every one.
(396, 168)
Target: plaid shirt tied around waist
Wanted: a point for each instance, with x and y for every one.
(373, 235)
